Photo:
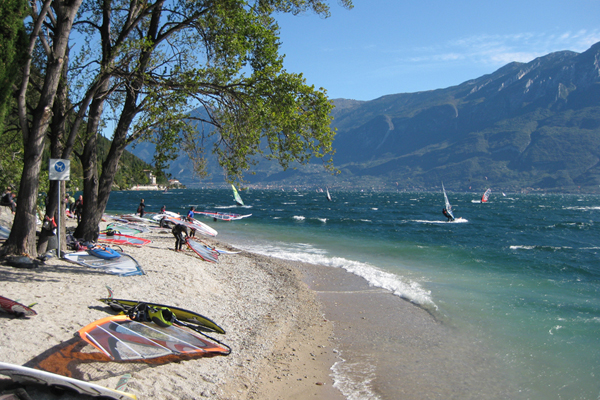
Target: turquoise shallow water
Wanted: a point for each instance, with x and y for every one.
(521, 274)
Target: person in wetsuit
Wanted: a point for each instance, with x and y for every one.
(447, 215)
(141, 208)
(178, 231)
(8, 199)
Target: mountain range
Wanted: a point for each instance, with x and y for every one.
(525, 126)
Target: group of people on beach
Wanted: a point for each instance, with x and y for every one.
(180, 231)
(75, 207)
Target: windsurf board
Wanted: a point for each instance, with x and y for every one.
(104, 252)
(29, 375)
(181, 314)
(18, 309)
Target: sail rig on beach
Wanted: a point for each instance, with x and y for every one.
(236, 196)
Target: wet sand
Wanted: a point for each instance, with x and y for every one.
(400, 350)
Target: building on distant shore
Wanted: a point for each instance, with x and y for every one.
(151, 177)
(174, 183)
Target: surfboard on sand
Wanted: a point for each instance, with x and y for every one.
(29, 375)
(122, 266)
(183, 315)
(18, 309)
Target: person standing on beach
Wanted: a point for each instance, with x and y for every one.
(178, 231)
(190, 218)
(141, 208)
(79, 208)
(8, 199)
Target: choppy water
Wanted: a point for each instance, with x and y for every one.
(522, 274)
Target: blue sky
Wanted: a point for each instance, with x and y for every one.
(385, 47)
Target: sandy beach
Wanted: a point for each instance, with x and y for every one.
(281, 343)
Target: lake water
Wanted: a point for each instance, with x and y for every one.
(521, 273)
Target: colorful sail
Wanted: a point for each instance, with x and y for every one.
(122, 339)
(447, 203)
(237, 197)
(486, 195)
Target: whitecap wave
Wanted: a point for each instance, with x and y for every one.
(400, 286)
(354, 379)
(299, 217)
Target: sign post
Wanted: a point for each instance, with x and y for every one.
(60, 170)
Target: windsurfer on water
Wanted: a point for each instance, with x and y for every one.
(447, 215)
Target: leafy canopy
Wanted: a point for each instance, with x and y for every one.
(222, 56)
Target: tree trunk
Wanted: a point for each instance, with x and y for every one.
(22, 238)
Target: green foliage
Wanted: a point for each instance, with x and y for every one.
(12, 48)
(222, 56)
(11, 158)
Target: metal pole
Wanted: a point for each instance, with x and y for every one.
(58, 220)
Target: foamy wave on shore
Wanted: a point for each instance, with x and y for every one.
(405, 288)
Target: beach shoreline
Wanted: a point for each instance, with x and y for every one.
(297, 330)
(282, 346)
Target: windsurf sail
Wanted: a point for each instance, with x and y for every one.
(124, 229)
(447, 203)
(4, 232)
(122, 266)
(236, 196)
(328, 195)
(30, 375)
(486, 195)
(204, 252)
(199, 226)
(222, 216)
(122, 339)
(117, 238)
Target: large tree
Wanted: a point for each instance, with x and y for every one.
(167, 57)
(52, 21)
(158, 60)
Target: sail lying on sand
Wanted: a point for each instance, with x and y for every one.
(123, 339)
(236, 196)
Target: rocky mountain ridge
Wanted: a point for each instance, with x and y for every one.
(526, 125)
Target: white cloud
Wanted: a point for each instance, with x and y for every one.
(499, 50)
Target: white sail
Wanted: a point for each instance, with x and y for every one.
(328, 195)
(448, 205)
